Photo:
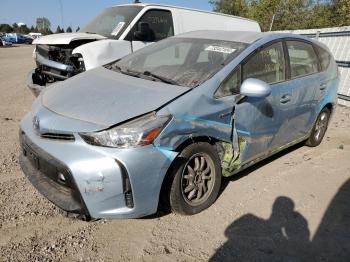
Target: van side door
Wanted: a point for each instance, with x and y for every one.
(154, 25)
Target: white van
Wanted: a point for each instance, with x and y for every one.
(116, 32)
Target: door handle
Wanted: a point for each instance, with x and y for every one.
(323, 86)
(223, 115)
(285, 99)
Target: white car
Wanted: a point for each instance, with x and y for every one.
(119, 31)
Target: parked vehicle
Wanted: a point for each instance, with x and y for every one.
(116, 32)
(3, 42)
(18, 38)
(35, 35)
(166, 122)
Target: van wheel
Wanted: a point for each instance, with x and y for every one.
(196, 179)
(319, 129)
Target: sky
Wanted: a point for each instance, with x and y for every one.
(75, 12)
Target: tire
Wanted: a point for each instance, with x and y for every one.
(196, 179)
(319, 129)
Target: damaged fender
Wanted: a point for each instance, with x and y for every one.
(103, 52)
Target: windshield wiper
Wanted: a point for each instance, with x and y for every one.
(161, 78)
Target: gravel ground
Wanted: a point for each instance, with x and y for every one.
(291, 207)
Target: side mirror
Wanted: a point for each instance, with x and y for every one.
(252, 87)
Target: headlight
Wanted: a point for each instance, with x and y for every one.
(138, 132)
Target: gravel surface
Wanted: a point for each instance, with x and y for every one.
(291, 207)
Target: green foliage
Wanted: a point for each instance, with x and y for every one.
(288, 14)
(77, 29)
(69, 29)
(6, 28)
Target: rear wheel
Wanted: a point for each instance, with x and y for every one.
(319, 129)
(196, 179)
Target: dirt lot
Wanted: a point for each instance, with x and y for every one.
(292, 207)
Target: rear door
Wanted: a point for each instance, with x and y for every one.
(154, 25)
(305, 81)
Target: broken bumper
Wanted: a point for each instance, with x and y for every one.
(95, 181)
(34, 88)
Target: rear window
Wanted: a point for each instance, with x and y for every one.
(303, 59)
(324, 57)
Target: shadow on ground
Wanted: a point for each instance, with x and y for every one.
(285, 236)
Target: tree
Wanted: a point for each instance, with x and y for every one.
(69, 29)
(285, 14)
(58, 30)
(6, 28)
(32, 29)
(231, 7)
(77, 29)
(342, 12)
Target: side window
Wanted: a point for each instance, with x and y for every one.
(231, 85)
(153, 26)
(324, 57)
(267, 65)
(303, 59)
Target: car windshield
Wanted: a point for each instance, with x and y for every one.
(112, 22)
(181, 61)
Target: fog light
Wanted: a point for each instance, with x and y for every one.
(61, 178)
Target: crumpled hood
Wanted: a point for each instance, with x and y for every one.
(105, 97)
(65, 38)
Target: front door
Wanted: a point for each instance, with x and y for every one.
(262, 123)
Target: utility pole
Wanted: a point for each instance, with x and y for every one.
(61, 8)
(272, 21)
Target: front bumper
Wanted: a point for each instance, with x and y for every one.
(98, 177)
(34, 88)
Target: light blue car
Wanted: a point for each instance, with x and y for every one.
(164, 124)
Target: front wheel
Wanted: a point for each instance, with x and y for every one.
(196, 179)
(319, 129)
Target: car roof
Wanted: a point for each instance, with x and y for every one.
(238, 36)
(185, 8)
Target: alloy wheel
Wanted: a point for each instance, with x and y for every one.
(198, 178)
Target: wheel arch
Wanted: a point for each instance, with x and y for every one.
(163, 198)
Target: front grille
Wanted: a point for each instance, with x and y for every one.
(58, 136)
(43, 50)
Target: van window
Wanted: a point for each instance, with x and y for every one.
(303, 59)
(324, 57)
(231, 85)
(154, 25)
(267, 65)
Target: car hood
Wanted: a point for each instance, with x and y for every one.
(65, 38)
(104, 97)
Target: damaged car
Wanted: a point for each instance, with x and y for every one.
(164, 124)
(116, 32)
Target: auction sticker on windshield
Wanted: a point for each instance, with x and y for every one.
(220, 49)
(117, 29)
